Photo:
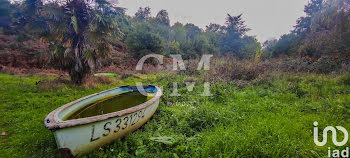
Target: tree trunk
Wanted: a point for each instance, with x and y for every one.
(76, 76)
(81, 67)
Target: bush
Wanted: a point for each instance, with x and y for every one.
(326, 65)
(345, 79)
(226, 70)
(323, 65)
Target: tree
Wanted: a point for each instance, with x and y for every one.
(235, 26)
(175, 48)
(269, 48)
(313, 7)
(325, 30)
(214, 42)
(162, 18)
(191, 31)
(143, 14)
(286, 45)
(5, 13)
(249, 47)
(232, 33)
(213, 27)
(28, 21)
(201, 45)
(161, 24)
(79, 35)
(119, 11)
(178, 33)
(304, 23)
(142, 41)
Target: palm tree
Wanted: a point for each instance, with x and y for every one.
(80, 33)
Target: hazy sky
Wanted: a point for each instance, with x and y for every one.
(267, 18)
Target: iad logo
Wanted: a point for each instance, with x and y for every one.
(334, 153)
(334, 135)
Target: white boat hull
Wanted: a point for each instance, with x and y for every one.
(79, 136)
(85, 138)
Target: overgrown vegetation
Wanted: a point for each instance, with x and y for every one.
(272, 117)
(265, 97)
(81, 34)
(85, 36)
(323, 31)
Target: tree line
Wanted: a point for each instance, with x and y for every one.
(81, 33)
(324, 31)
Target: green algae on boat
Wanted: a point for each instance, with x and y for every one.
(112, 104)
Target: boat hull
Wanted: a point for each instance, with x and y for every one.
(77, 140)
(79, 136)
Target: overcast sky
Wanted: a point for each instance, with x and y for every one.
(267, 18)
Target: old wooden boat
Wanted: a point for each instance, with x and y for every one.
(90, 122)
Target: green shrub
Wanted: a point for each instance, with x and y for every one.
(345, 79)
(326, 65)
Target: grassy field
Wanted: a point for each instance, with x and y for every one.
(272, 118)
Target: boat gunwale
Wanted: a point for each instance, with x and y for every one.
(53, 122)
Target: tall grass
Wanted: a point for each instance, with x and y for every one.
(273, 118)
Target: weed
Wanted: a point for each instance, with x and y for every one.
(270, 119)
